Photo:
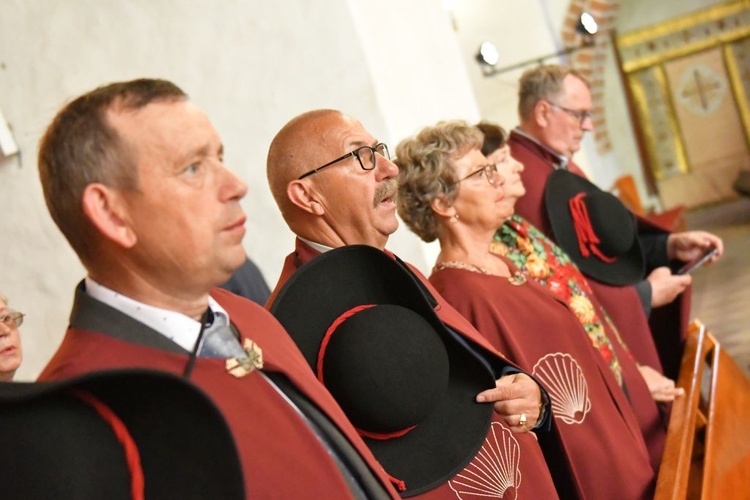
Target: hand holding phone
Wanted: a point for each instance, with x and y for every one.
(695, 264)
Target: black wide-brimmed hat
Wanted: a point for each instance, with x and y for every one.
(121, 434)
(598, 232)
(368, 329)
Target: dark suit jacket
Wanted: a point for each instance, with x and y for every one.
(248, 282)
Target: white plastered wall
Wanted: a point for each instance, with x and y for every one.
(395, 65)
(250, 65)
(521, 31)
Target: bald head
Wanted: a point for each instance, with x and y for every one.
(294, 150)
(345, 203)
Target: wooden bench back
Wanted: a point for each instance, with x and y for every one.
(707, 452)
(625, 189)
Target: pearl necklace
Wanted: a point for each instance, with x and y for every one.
(517, 279)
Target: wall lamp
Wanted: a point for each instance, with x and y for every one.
(488, 56)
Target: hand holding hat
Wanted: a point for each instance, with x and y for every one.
(517, 400)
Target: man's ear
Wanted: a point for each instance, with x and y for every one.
(442, 208)
(304, 195)
(542, 109)
(107, 211)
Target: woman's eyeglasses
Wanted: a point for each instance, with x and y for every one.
(489, 171)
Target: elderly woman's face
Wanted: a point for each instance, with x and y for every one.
(10, 344)
(481, 199)
(511, 170)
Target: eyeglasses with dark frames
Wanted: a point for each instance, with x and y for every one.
(489, 171)
(13, 319)
(580, 114)
(366, 156)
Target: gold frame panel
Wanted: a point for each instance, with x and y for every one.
(735, 79)
(650, 48)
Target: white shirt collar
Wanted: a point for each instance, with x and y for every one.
(177, 327)
(563, 160)
(316, 246)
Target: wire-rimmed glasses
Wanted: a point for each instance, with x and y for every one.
(12, 319)
(580, 114)
(489, 171)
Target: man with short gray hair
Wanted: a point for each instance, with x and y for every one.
(555, 111)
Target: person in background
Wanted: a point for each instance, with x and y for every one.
(449, 191)
(248, 282)
(11, 353)
(155, 217)
(541, 259)
(335, 185)
(554, 108)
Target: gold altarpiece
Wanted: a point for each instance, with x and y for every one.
(689, 79)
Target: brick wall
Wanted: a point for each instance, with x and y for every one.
(590, 61)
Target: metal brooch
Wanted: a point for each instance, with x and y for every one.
(240, 367)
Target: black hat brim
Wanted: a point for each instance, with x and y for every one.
(185, 446)
(560, 188)
(347, 277)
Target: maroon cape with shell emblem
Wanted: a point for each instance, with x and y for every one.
(667, 326)
(281, 457)
(508, 464)
(621, 303)
(596, 434)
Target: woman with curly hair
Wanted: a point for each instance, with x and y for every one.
(449, 191)
(538, 257)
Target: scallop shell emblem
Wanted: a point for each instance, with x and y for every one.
(495, 470)
(563, 378)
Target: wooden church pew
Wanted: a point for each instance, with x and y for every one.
(707, 452)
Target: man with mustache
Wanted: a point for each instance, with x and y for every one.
(335, 185)
(134, 176)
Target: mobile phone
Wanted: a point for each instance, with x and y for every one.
(690, 266)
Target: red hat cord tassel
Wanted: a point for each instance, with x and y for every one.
(399, 484)
(587, 238)
(132, 457)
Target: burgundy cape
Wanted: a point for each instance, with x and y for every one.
(594, 423)
(622, 303)
(281, 457)
(539, 258)
(508, 464)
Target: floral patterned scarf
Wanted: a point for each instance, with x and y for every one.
(541, 259)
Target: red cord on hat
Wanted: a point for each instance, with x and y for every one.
(132, 457)
(319, 370)
(385, 436)
(587, 238)
(399, 484)
(329, 333)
